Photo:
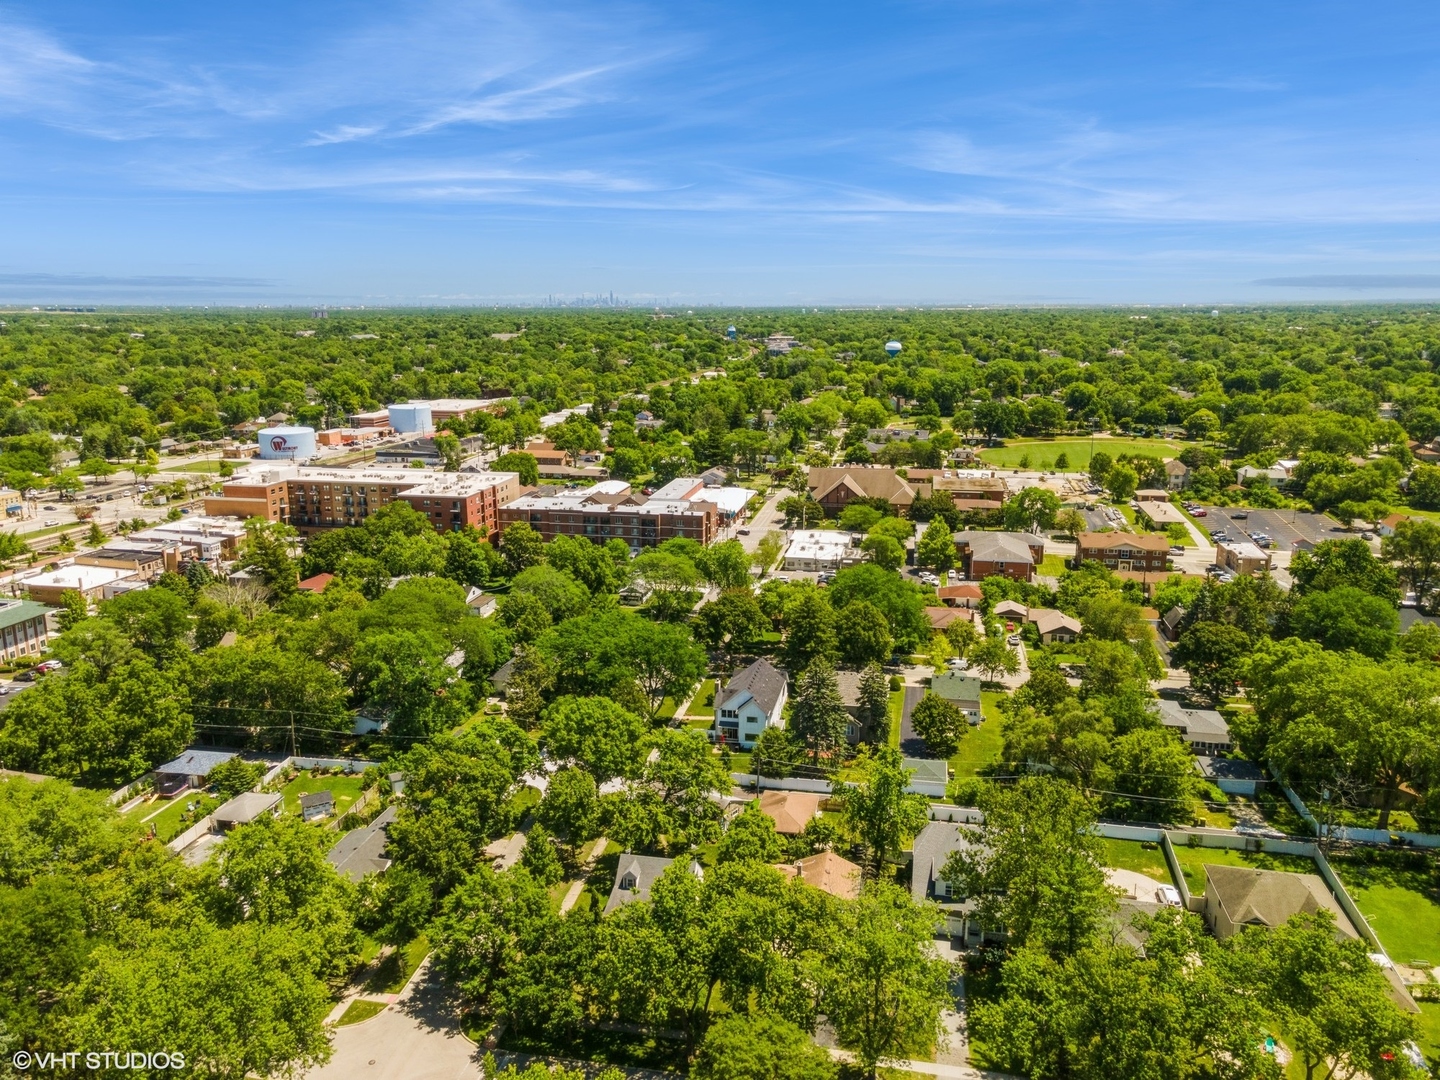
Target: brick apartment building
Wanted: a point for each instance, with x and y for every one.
(1007, 554)
(610, 510)
(313, 500)
(1124, 551)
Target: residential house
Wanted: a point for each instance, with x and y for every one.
(790, 810)
(1124, 551)
(362, 851)
(315, 805)
(1054, 626)
(1008, 554)
(1242, 557)
(636, 875)
(246, 807)
(480, 602)
(1273, 475)
(1170, 622)
(965, 594)
(827, 872)
(716, 477)
(1205, 731)
(942, 618)
(1010, 609)
(547, 453)
(501, 677)
(1177, 475)
(315, 583)
(932, 848)
(848, 683)
(1388, 526)
(751, 701)
(835, 488)
(189, 770)
(962, 691)
(1241, 896)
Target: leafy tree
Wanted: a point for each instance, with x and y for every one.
(1156, 774)
(1120, 482)
(1100, 465)
(1213, 654)
(900, 601)
(875, 704)
(758, 1047)
(993, 657)
(234, 776)
(1415, 546)
(878, 813)
(940, 724)
(776, 753)
(1331, 998)
(237, 1001)
(596, 733)
(74, 608)
(673, 580)
(1033, 508)
(863, 634)
(936, 546)
(884, 551)
(1344, 564)
(1424, 487)
(725, 565)
(539, 857)
(518, 461)
(809, 629)
(732, 623)
(886, 988)
(767, 551)
(1347, 618)
(859, 517)
(1036, 868)
(600, 569)
(817, 715)
(1168, 1013)
(570, 809)
(751, 837)
(666, 662)
(521, 546)
(266, 551)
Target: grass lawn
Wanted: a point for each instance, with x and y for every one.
(1400, 899)
(358, 1010)
(173, 819)
(1133, 855)
(194, 466)
(1051, 566)
(1043, 452)
(395, 970)
(981, 745)
(1067, 658)
(1193, 860)
(345, 789)
(1125, 512)
(1429, 1024)
(698, 706)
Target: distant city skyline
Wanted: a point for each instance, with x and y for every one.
(746, 154)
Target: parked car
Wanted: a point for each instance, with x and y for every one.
(1200, 511)
(1013, 639)
(743, 532)
(47, 666)
(1176, 549)
(52, 508)
(51, 521)
(1239, 515)
(1367, 536)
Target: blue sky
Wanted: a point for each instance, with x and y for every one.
(756, 153)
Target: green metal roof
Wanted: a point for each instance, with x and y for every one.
(15, 612)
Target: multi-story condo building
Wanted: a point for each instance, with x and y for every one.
(313, 499)
(1124, 551)
(610, 510)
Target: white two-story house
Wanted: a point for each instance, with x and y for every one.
(750, 702)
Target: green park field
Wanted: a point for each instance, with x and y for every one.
(1043, 452)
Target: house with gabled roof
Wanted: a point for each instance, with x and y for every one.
(827, 872)
(635, 875)
(1006, 554)
(835, 488)
(751, 701)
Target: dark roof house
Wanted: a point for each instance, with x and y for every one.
(635, 875)
(362, 851)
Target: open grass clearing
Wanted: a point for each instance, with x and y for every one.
(1043, 452)
(345, 789)
(981, 745)
(173, 818)
(703, 703)
(1399, 895)
(1138, 857)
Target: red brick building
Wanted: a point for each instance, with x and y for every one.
(1006, 554)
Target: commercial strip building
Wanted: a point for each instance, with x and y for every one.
(611, 510)
(1242, 557)
(820, 550)
(314, 499)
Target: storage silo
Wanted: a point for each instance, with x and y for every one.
(412, 418)
(287, 443)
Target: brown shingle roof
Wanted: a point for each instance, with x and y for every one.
(1148, 542)
(790, 810)
(827, 872)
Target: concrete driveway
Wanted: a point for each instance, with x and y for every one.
(417, 1038)
(911, 745)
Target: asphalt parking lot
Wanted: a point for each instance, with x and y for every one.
(1283, 526)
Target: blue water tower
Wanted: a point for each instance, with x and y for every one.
(730, 332)
(892, 347)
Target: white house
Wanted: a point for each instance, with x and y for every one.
(751, 701)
